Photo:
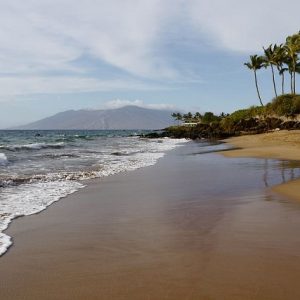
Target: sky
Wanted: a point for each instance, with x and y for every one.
(187, 55)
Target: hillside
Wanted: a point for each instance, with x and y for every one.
(128, 117)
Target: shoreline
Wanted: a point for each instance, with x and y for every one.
(280, 145)
(67, 187)
(194, 225)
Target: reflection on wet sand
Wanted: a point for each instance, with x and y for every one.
(289, 170)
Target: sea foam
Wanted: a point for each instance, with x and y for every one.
(3, 159)
(33, 146)
(22, 196)
(28, 199)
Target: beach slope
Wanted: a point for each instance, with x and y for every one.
(283, 145)
(196, 225)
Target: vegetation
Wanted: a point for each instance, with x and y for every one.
(187, 118)
(254, 119)
(281, 106)
(284, 57)
(281, 59)
(177, 116)
(284, 105)
(209, 117)
(256, 63)
(206, 118)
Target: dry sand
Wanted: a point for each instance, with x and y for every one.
(283, 145)
(193, 226)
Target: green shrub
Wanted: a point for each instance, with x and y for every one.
(227, 124)
(230, 121)
(297, 104)
(209, 117)
(239, 114)
(285, 105)
(256, 111)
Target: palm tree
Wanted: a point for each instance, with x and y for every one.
(223, 115)
(187, 117)
(271, 60)
(177, 116)
(292, 47)
(280, 58)
(290, 69)
(197, 116)
(256, 62)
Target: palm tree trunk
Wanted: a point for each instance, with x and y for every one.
(282, 83)
(257, 88)
(281, 73)
(274, 83)
(291, 82)
(294, 82)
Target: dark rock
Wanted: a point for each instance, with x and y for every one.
(216, 130)
(297, 125)
(273, 123)
(288, 125)
(246, 124)
(152, 135)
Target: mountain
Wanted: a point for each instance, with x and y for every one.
(128, 117)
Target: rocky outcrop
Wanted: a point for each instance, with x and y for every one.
(217, 130)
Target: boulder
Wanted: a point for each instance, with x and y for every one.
(288, 125)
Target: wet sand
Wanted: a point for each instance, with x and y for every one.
(194, 226)
(284, 145)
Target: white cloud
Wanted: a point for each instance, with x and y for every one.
(120, 103)
(46, 34)
(16, 86)
(245, 25)
(38, 37)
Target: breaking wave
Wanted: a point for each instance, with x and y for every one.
(3, 159)
(34, 189)
(35, 146)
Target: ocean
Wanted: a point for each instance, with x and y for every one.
(38, 168)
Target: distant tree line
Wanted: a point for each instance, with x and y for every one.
(207, 117)
(281, 58)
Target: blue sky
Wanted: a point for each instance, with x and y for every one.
(189, 55)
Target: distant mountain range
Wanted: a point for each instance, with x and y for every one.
(128, 117)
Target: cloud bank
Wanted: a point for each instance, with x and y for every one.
(245, 26)
(40, 39)
(117, 103)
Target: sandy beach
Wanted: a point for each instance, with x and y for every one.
(196, 225)
(283, 145)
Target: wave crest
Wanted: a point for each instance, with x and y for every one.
(35, 146)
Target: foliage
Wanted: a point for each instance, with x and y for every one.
(189, 117)
(177, 116)
(251, 112)
(284, 57)
(197, 116)
(209, 117)
(227, 123)
(285, 105)
(253, 118)
(256, 62)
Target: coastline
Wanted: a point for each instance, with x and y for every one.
(23, 195)
(282, 145)
(161, 232)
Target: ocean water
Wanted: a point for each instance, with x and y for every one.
(38, 168)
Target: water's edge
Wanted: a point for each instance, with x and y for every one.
(59, 187)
